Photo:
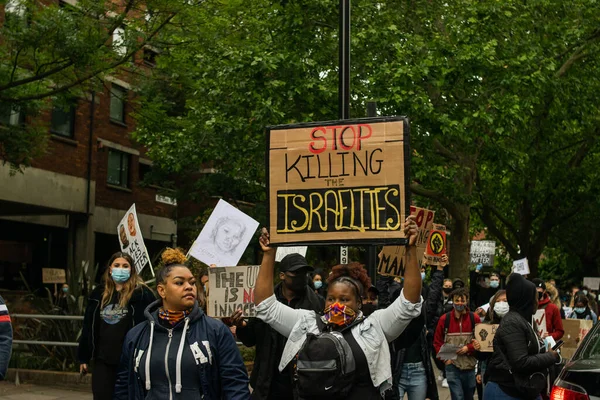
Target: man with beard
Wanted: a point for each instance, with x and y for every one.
(293, 290)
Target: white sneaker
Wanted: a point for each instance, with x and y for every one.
(445, 383)
(440, 377)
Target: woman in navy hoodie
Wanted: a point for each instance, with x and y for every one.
(179, 352)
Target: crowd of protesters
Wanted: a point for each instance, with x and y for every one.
(322, 336)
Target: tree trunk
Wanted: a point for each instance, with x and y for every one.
(459, 244)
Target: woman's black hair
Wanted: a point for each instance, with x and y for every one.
(581, 298)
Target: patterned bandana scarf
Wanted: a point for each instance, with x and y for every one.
(172, 317)
(337, 314)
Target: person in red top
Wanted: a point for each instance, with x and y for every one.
(457, 328)
(554, 324)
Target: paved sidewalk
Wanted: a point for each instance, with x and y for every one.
(26, 391)
(8, 391)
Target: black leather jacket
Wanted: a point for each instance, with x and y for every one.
(517, 350)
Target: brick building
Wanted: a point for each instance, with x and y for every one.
(63, 211)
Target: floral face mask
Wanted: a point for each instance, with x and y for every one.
(337, 314)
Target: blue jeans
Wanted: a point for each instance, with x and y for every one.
(493, 392)
(461, 383)
(413, 381)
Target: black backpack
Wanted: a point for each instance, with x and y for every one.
(325, 367)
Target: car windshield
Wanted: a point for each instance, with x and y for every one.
(590, 348)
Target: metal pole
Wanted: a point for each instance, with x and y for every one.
(344, 46)
(344, 80)
(372, 250)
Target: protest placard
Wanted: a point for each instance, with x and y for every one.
(131, 240)
(540, 320)
(231, 289)
(575, 331)
(53, 275)
(521, 266)
(391, 260)
(436, 245)
(338, 182)
(225, 236)
(484, 334)
(592, 283)
(284, 251)
(482, 252)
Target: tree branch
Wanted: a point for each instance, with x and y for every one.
(92, 74)
(444, 152)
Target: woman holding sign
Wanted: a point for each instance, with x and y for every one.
(114, 307)
(179, 352)
(358, 366)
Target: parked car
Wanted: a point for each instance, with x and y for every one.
(580, 378)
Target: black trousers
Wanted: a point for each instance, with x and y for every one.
(104, 377)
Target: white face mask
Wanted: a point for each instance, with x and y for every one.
(501, 308)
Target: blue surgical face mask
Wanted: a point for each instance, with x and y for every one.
(579, 310)
(65, 290)
(494, 284)
(459, 308)
(585, 292)
(120, 275)
(318, 284)
(422, 276)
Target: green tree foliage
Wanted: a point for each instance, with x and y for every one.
(502, 97)
(53, 50)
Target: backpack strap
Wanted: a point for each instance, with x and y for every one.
(447, 324)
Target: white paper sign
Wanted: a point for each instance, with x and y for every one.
(521, 266)
(284, 251)
(592, 283)
(482, 252)
(131, 240)
(540, 320)
(225, 236)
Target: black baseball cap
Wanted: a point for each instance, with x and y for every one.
(539, 283)
(293, 262)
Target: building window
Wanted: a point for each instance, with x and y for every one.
(118, 168)
(63, 120)
(144, 171)
(150, 58)
(118, 95)
(118, 41)
(12, 116)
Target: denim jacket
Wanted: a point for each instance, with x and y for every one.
(372, 334)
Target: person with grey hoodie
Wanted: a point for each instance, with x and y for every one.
(179, 353)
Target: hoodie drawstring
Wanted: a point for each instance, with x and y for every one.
(149, 356)
(179, 354)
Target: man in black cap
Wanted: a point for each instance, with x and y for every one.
(293, 290)
(554, 326)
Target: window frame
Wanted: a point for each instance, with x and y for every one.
(72, 114)
(116, 88)
(124, 173)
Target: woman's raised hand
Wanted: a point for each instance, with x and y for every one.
(264, 241)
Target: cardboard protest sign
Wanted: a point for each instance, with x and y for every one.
(592, 283)
(482, 252)
(540, 320)
(521, 266)
(436, 245)
(231, 289)
(484, 334)
(131, 240)
(53, 275)
(225, 236)
(284, 251)
(391, 261)
(338, 182)
(575, 331)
